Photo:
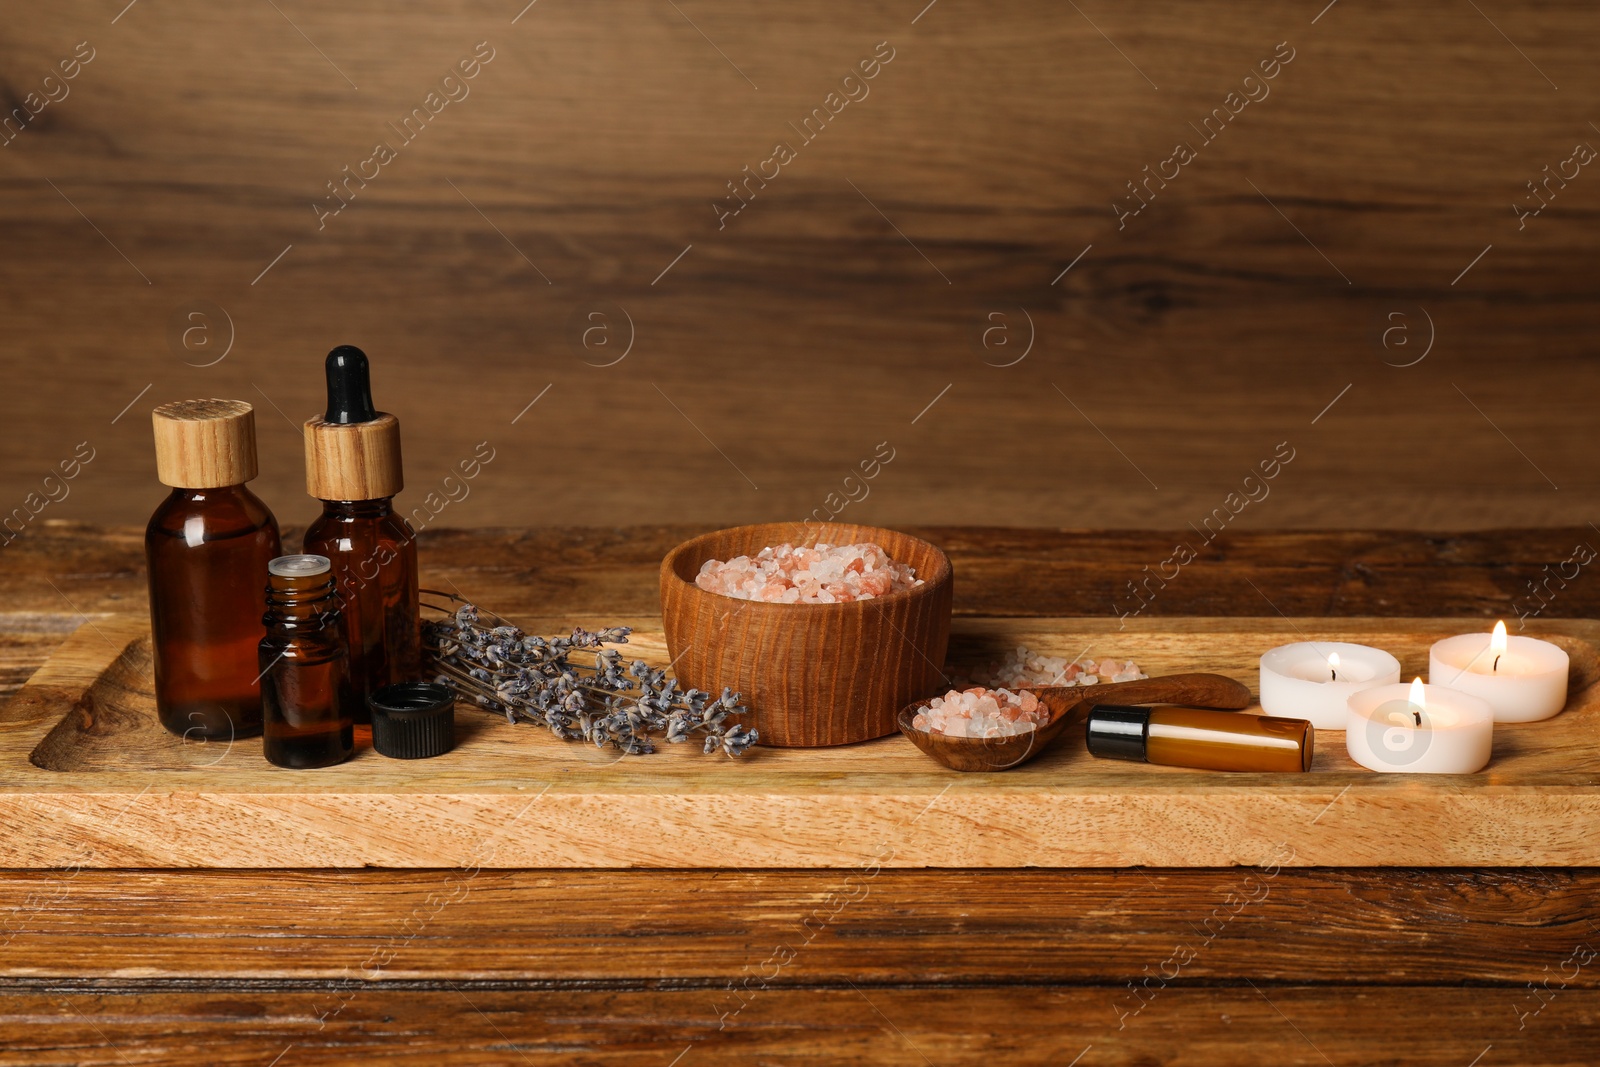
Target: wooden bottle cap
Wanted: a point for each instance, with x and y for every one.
(353, 461)
(205, 444)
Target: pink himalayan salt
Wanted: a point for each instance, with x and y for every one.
(1023, 669)
(826, 574)
(982, 713)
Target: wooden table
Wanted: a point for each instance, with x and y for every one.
(1277, 964)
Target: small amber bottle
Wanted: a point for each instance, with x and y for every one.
(1192, 737)
(207, 547)
(353, 467)
(305, 683)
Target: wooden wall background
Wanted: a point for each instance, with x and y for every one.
(776, 353)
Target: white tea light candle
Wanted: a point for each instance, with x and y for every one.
(1523, 679)
(1419, 729)
(1315, 679)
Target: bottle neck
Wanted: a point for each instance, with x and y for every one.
(359, 509)
(299, 599)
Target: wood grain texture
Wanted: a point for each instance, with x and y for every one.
(1395, 926)
(590, 153)
(100, 784)
(205, 444)
(358, 461)
(62, 569)
(812, 674)
(465, 1025)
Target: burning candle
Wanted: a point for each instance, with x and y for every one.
(1420, 729)
(1523, 679)
(1315, 679)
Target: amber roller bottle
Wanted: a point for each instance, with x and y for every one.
(1211, 740)
(305, 684)
(207, 547)
(353, 467)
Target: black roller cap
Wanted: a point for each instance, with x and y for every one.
(1117, 731)
(349, 387)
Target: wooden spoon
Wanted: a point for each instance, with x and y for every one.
(1070, 704)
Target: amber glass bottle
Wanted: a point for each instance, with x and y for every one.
(1193, 737)
(376, 574)
(353, 467)
(207, 547)
(305, 685)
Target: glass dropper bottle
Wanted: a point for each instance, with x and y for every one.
(353, 466)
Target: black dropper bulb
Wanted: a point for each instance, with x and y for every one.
(349, 387)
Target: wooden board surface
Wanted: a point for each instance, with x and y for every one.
(587, 159)
(103, 785)
(1043, 1026)
(1395, 926)
(1394, 965)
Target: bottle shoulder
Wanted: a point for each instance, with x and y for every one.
(400, 530)
(338, 524)
(323, 528)
(256, 509)
(200, 515)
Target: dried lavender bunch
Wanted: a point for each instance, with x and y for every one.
(550, 681)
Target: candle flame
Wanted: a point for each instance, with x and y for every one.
(1497, 641)
(1417, 698)
(1333, 665)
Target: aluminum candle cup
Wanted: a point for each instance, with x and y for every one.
(1523, 679)
(1419, 729)
(1315, 679)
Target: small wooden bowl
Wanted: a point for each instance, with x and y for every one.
(811, 674)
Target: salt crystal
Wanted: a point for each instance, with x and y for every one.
(826, 574)
(1024, 669)
(982, 713)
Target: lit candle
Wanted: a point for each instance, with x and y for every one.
(1523, 679)
(1420, 729)
(1315, 679)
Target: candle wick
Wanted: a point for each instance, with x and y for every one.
(1496, 666)
(1334, 673)
(1417, 714)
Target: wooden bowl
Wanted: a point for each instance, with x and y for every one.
(811, 674)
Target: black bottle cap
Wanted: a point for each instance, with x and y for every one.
(349, 387)
(1116, 731)
(413, 720)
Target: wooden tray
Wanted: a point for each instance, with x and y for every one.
(89, 779)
